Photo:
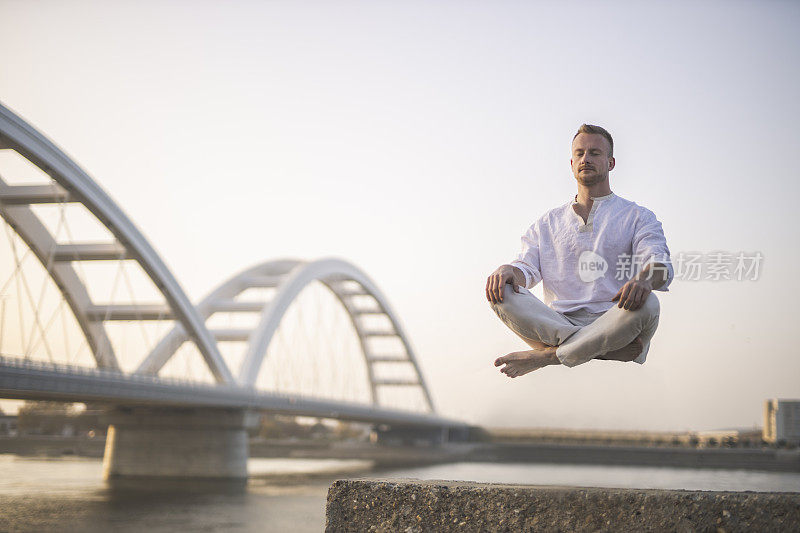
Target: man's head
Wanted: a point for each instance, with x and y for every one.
(592, 155)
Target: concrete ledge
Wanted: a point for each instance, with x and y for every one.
(416, 506)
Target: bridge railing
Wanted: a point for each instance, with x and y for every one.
(120, 377)
(106, 373)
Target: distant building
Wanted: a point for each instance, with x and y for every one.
(59, 419)
(782, 421)
(8, 425)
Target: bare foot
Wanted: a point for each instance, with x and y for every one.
(520, 363)
(627, 353)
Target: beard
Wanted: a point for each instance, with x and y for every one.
(590, 178)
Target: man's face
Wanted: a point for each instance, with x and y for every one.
(590, 161)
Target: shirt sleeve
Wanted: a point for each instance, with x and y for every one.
(528, 259)
(650, 245)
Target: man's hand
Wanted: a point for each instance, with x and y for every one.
(633, 294)
(504, 274)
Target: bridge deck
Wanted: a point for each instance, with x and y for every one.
(20, 379)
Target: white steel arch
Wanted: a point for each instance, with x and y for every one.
(289, 278)
(72, 184)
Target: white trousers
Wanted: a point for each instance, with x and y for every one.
(580, 336)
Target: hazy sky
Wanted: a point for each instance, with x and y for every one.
(420, 139)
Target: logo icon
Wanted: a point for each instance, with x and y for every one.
(591, 266)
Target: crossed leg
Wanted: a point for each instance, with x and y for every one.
(622, 335)
(520, 363)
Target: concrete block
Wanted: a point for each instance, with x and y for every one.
(441, 506)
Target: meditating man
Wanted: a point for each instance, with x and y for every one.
(599, 257)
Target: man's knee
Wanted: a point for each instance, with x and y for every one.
(651, 305)
(649, 309)
(514, 305)
(508, 295)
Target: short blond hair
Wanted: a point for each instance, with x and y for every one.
(597, 130)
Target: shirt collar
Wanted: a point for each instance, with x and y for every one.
(595, 198)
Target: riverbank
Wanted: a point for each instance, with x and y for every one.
(763, 459)
(415, 506)
(766, 459)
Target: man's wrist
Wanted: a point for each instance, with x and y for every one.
(516, 274)
(654, 274)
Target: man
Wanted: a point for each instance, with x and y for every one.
(588, 253)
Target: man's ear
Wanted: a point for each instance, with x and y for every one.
(611, 163)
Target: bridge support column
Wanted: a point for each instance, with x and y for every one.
(173, 444)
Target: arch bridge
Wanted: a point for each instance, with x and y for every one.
(78, 277)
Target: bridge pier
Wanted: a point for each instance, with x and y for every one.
(173, 444)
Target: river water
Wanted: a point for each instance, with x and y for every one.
(68, 494)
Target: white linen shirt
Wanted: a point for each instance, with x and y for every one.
(583, 265)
